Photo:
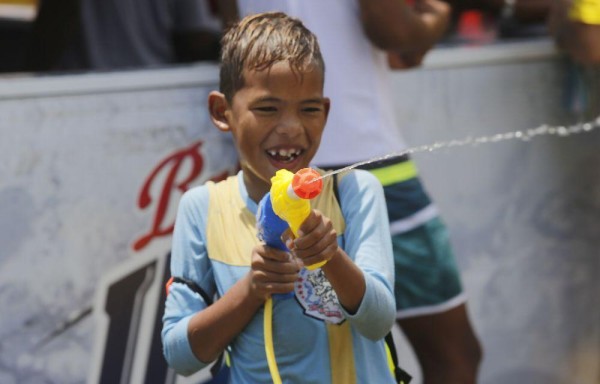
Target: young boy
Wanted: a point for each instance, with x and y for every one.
(272, 102)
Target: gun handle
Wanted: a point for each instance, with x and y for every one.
(270, 229)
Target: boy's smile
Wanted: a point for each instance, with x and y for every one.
(276, 119)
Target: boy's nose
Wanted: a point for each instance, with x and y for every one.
(290, 126)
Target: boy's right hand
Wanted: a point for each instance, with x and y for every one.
(272, 271)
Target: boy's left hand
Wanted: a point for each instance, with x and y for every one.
(317, 240)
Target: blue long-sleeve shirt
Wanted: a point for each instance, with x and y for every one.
(300, 337)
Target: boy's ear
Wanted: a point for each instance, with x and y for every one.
(217, 107)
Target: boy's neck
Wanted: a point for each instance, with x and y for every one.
(255, 187)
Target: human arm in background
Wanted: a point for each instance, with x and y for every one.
(406, 32)
(361, 274)
(194, 333)
(576, 34)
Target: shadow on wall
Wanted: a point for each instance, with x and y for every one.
(572, 211)
(528, 376)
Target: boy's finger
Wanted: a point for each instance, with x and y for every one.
(289, 267)
(272, 260)
(308, 240)
(326, 255)
(324, 244)
(276, 278)
(322, 231)
(274, 253)
(310, 223)
(287, 237)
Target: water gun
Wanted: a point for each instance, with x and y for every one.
(286, 206)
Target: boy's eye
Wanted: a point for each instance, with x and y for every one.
(312, 109)
(266, 109)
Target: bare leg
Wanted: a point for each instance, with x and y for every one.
(445, 345)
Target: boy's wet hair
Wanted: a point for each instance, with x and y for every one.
(259, 41)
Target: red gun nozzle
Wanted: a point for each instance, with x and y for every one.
(307, 183)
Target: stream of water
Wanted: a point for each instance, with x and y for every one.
(524, 135)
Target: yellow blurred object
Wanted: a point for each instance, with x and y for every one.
(20, 2)
(20, 10)
(585, 11)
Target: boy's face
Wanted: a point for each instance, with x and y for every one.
(276, 119)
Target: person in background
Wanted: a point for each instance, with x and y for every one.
(271, 101)
(124, 34)
(357, 38)
(575, 26)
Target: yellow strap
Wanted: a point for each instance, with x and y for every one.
(269, 349)
(395, 173)
(227, 214)
(341, 353)
(390, 360)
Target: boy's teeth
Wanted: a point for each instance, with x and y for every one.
(284, 152)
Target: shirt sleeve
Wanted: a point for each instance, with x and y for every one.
(189, 261)
(368, 243)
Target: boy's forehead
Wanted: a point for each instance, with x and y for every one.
(280, 68)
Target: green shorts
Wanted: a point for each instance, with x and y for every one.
(427, 279)
(426, 275)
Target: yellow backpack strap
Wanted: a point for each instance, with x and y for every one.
(328, 203)
(341, 353)
(231, 227)
(402, 377)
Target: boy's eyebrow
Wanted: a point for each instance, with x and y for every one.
(313, 100)
(272, 99)
(267, 99)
